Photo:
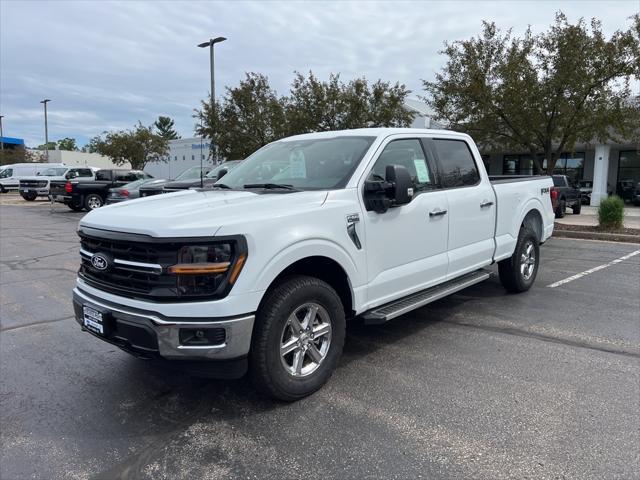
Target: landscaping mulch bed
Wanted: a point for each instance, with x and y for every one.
(629, 235)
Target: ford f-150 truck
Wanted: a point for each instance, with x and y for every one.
(261, 273)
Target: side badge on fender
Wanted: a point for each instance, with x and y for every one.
(352, 219)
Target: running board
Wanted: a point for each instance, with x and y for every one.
(394, 309)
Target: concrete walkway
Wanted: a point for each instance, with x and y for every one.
(589, 216)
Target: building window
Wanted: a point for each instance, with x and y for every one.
(202, 156)
(511, 165)
(176, 158)
(628, 173)
(193, 157)
(183, 158)
(571, 165)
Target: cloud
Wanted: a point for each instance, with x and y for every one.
(106, 65)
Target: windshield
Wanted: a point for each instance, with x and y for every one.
(54, 172)
(319, 164)
(192, 173)
(228, 165)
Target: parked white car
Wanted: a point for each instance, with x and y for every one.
(10, 175)
(38, 186)
(262, 272)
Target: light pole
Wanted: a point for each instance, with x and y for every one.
(1, 135)
(210, 44)
(46, 129)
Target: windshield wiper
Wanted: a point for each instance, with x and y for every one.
(221, 185)
(271, 186)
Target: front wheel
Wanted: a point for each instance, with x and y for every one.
(518, 272)
(29, 196)
(298, 338)
(93, 201)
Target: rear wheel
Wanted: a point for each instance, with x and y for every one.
(93, 201)
(518, 273)
(561, 208)
(298, 338)
(29, 196)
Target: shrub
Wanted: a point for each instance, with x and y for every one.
(611, 213)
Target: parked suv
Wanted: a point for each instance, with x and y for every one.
(208, 180)
(156, 188)
(262, 272)
(586, 188)
(91, 195)
(38, 186)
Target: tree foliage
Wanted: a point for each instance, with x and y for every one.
(540, 93)
(164, 126)
(50, 145)
(67, 144)
(138, 146)
(253, 114)
(9, 156)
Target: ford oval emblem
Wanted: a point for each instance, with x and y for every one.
(99, 262)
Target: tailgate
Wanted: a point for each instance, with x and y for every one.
(57, 187)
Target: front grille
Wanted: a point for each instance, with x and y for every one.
(33, 183)
(138, 268)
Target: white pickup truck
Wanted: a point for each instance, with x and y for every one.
(262, 272)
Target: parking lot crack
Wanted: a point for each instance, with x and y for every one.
(33, 324)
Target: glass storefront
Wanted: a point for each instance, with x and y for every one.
(570, 164)
(628, 173)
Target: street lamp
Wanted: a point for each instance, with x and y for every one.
(1, 135)
(46, 128)
(210, 44)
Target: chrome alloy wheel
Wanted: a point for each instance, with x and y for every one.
(94, 202)
(528, 260)
(305, 340)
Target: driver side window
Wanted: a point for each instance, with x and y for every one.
(409, 154)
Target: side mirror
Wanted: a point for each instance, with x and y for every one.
(38, 174)
(222, 173)
(401, 183)
(396, 190)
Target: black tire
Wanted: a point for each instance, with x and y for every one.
(2, 189)
(512, 276)
(561, 208)
(75, 208)
(29, 196)
(577, 208)
(93, 201)
(268, 369)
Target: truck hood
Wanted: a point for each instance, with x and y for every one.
(193, 213)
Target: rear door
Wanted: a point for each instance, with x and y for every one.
(406, 246)
(472, 207)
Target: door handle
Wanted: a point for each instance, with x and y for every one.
(437, 213)
(486, 203)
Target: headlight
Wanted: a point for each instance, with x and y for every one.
(204, 270)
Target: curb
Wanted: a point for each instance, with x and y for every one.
(611, 237)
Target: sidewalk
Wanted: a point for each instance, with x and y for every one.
(589, 217)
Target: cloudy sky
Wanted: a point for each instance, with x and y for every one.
(105, 65)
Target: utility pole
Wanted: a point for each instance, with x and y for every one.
(46, 129)
(210, 44)
(1, 134)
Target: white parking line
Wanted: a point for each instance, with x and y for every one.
(591, 270)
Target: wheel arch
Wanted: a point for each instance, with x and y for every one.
(533, 219)
(324, 268)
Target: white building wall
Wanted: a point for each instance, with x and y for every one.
(80, 159)
(183, 153)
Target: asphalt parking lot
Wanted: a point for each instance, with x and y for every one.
(482, 384)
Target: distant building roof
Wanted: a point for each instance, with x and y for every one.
(12, 141)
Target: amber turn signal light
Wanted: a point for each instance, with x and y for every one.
(237, 268)
(199, 268)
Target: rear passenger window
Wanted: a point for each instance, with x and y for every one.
(103, 175)
(84, 172)
(126, 177)
(457, 164)
(408, 154)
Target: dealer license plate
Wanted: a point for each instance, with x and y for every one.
(93, 320)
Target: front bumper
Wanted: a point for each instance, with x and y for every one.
(39, 191)
(149, 334)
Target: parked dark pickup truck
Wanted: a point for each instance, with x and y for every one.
(91, 195)
(568, 195)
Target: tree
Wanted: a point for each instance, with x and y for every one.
(252, 114)
(540, 93)
(164, 125)
(138, 146)
(9, 156)
(50, 145)
(333, 105)
(67, 144)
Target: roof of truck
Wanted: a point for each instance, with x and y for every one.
(372, 132)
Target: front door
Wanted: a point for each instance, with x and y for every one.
(406, 247)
